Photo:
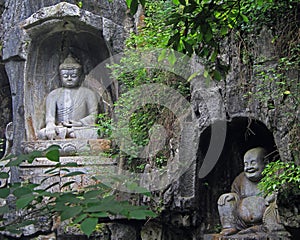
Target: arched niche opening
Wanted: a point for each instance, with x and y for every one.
(5, 108)
(242, 134)
(46, 53)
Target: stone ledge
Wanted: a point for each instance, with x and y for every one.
(80, 160)
(69, 147)
(251, 236)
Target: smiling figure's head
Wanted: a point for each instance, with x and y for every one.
(254, 163)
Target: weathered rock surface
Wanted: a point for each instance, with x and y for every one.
(32, 48)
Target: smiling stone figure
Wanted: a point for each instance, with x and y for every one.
(245, 210)
(69, 107)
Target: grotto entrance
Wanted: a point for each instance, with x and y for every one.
(242, 134)
(5, 109)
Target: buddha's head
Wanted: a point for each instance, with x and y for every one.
(70, 73)
(254, 163)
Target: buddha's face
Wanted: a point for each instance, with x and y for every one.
(253, 165)
(70, 77)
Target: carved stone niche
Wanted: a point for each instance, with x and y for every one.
(47, 38)
(5, 109)
(242, 134)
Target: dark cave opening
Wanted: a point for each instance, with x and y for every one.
(242, 134)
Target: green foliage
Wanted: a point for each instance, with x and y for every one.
(132, 72)
(79, 4)
(200, 27)
(281, 177)
(133, 5)
(194, 26)
(104, 125)
(152, 29)
(84, 207)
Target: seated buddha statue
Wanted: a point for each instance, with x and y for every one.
(69, 107)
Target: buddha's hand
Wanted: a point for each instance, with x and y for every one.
(227, 197)
(270, 198)
(72, 123)
(50, 131)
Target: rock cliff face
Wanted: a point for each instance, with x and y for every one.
(33, 47)
(252, 120)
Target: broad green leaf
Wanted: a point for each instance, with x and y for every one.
(4, 175)
(92, 194)
(80, 4)
(32, 185)
(88, 201)
(176, 2)
(162, 55)
(33, 155)
(4, 209)
(22, 191)
(76, 173)
(4, 192)
(53, 154)
(99, 215)
(134, 6)
(208, 36)
(88, 225)
(205, 74)
(24, 201)
(172, 58)
(96, 208)
(59, 207)
(53, 147)
(107, 204)
(224, 30)
(214, 56)
(245, 18)
(70, 212)
(217, 75)
(192, 76)
(15, 162)
(128, 2)
(131, 186)
(260, 2)
(15, 185)
(68, 198)
(143, 2)
(70, 164)
(80, 218)
(141, 214)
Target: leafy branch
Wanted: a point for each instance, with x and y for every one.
(22, 204)
(282, 177)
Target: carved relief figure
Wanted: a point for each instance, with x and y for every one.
(69, 107)
(245, 210)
